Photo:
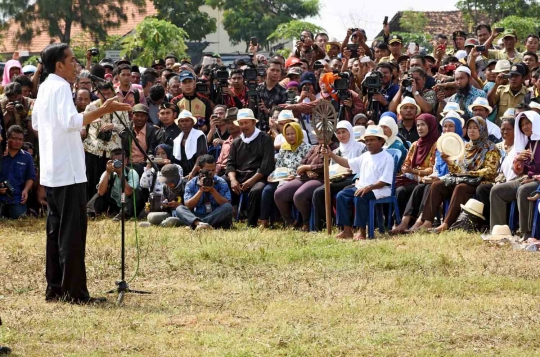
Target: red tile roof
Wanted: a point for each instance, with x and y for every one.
(134, 17)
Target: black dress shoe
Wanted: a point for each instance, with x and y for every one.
(4, 350)
(88, 301)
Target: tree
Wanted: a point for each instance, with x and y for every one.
(293, 29)
(413, 21)
(57, 17)
(523, 25)
(498, 9)
(243, 19)
(154, 38)
(186, 15)
(79, 45)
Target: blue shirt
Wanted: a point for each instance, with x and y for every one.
(17, 170)
(192, 187)
(487, 87)
(389, 93)
(464, 102)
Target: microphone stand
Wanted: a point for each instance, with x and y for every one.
(122, 286)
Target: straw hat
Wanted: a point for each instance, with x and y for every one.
(245, 114)
(452, 145)
(452, 106)
(186, 114)
(454, 115)
(358, 131)
(286, 116)
(534, 105)
(481, 102)
(509, 113)
(409, 101)
(279, 174)
(374, 130)
(499, 232)
(337, 171)
(502, 66)
(474, 207)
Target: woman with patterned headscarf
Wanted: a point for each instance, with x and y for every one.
(481, 159)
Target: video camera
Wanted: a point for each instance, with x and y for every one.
(207, 178)
(250, 78)
(222, 75)
(201, 87)
(372, 83)
(341, 85)
(94, 52)
(291, 97)
(407, 83)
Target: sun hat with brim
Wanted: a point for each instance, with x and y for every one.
(337, 171)
(186, 114)
(452, 145)
(509, 33)
(509, 113)
(245, 114)
(453, 115)
(286, 116)
(474, 207)
(359, 131)
(176, 65)
(481, 102)
(29, 69)
(140, 108)
(499, 232)
(169, 174)
(534, 105)
(409, 101)
(502, 66)
(452, 106)
(279, 174)
(334, 42)
(295, 71)
(374, 130)
(231, 113)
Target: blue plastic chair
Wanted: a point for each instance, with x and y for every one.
(512, 218)
(243, 199)
(534, 233)
(215, 151)
(390, 200)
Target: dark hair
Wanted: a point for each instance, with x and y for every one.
(510, 121)
(157, 92)
(419, 70)
(442, 36)
(206, 159)
(27, 146)
(121, 68)
(528, 53)
(483, 26)
(382, 45)
(148, 77)
(310, 33)
(320, 34)
(53, 53)
(13, 88)
(276, 62)
(151, 71)
(523, 106)
(14, 129)
(450, 59)
(104, 86)
(533, 36)
(386, 65)
(237, 71)
(165, 70)
(98, 70)
(24, 81)
(304, 61)
(84, 89)
(421, 58)
(171, 56)
(536, 74)
(115, 152)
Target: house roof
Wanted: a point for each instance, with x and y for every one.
(39, 42)
(439, 22)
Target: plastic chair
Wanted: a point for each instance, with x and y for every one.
(512, 218)
(243, 197)
(534, 233)
(390, 200)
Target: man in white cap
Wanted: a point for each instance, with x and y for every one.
(481, 108)
(466, 93)
(409, 110)
(251, 160)
(189, 144)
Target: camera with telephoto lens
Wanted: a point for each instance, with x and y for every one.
(8, 187)
(94, 52)
(353, 30)
(261, 71)
(201, 87)
(117, 164)
(341, 85)
(207, 178)
(19, 107)
(222, 75)
(250, 78)
(372, 83)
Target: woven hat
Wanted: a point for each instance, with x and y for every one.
(454, 115)
(231, 114)
(286, 116)
(509, 113)
(140, 108)
(474, 207)
(186, 114)
(534, 105)
(499, 232)
(481, 102)
(452, 145)
(452, 106)
(374, 130)
(409, 101)
(279, 174)
(245, 114)
(359, 131)
(502, 66)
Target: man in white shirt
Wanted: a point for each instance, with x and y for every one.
(375, 170)
(62, 172)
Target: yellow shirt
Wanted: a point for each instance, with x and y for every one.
(386, 59)
(506, 99)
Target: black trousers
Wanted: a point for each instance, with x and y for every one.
(403, 194)
(106, 204)
(254, 206)
(318, 201)
(66, 242)
(95, 166)
(482, 195)
(415, 204)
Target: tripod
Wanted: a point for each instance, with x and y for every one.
(374, 107)
(122, 286)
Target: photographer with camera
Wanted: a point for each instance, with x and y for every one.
(207, 199)
(307, 49)
(358, 37)
(218, 127)
(388, 88)
(17, 110)
(413, 85)
(17, 176)
(109, 191)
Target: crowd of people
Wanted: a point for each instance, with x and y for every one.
(204, 144)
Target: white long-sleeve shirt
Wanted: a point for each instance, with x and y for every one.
(61, 149)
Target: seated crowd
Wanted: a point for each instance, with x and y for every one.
(431, 132)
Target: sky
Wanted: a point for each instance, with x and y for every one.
(336, 16)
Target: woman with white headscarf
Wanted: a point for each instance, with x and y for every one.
(521, 168)
(391, 130)
(348, 148)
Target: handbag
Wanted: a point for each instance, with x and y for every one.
(452, 180)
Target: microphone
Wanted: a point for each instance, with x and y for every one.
(94, 78)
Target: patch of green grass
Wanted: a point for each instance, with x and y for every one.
(246, 292)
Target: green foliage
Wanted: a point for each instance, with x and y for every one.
(57, 17)
(423, 39)
(286, 52)
(80, 45)
(186, 15)
(413, 21)
(523, 25)
(154, 38)
(496, 10)
(32, 60)
(292, 29)
(243, 19)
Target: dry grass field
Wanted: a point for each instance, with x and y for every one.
(275, 293)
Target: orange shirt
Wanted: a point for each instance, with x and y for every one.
(136, 155)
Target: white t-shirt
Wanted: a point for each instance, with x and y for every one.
(280, 139)
(374, 168)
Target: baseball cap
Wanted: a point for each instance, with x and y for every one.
(509, 33)
(402, 58)
(519, 69)
(185, 74)
(169, 174)
(459, 33)
(308, 78)
(107, 62)
(140, 108)
(395, 38)
(295, 71)
(291, 61)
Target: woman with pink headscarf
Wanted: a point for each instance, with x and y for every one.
(12, 69)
